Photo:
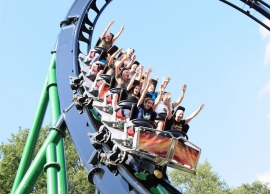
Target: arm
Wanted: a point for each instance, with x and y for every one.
(146, 75)
(143, 94)
(106, 29)
(194, 114)
(131, 62)
(169, 111)
(181, 97)
(139, 77)
(118, 34)
(160, 92)
(132, 81)
(110, 63)
(117, 66)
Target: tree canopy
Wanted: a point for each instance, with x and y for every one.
(207, 181)
(10, 155)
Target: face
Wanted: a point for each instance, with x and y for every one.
(136, 90)
(108, 38)
(179, 115)
(130, 52)
(148, 104)
(151, 88)
(108, 57)
(134, 67)
(125, 75)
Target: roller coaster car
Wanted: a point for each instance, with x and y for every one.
(140, 138)
(137, 142)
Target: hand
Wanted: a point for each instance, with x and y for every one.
(201, 106)
(149, 81)
(133, 58)
(112, 22)
(184, 87)
(122, 28)
(119, 50)
(149, 70)
(157, 78)
(166, 79)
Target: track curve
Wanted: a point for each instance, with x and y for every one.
(73, 29)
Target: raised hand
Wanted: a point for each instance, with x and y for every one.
(201, 106)
(184, 87)
(122, 27)
(112, 22)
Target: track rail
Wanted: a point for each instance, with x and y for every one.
(73, 29)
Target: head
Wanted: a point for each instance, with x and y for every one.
(133, 67)
(109, 37)
(107, 58)
(130, 52)
(151, 88)
(136, 90)
(125, 74)
(148, 103)
(179, 115)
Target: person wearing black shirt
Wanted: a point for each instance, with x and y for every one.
(177, 122)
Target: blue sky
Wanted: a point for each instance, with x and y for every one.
(222, 56)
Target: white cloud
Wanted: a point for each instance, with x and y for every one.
(267, 54)
(265, 89)
(263, 31)
(264, 177)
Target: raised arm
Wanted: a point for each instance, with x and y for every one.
(167, 103)
(139, 77)
(110, 63)
(132, 80)
(131, 62)
(160, 92)
(106, 29)
(181, 97)
(118, 34)
(194, 114)
(144, 92)
(146, 76)
(117, 66)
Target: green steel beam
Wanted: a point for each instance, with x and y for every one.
(51, 168)
(32, 137)
(29, 176)
(55, 113)
(36, 168)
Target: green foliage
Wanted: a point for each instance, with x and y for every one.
(11, 152)
(256, 187)
(207, 181)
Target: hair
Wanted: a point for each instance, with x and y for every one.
(111, 34)
(147, 99)
(121, 72)
(131, 49)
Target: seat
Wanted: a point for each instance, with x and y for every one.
(143, 123)
(124, 108)
(175, 133)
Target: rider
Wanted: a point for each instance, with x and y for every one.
(106, 41)
(177, 122)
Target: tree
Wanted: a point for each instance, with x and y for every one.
(256, 187)
(10, 155)
(205, 180)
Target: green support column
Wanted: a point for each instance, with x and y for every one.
(36, 168)
(51, 168)
(55, 112)
(62, 176)
(32, 137)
